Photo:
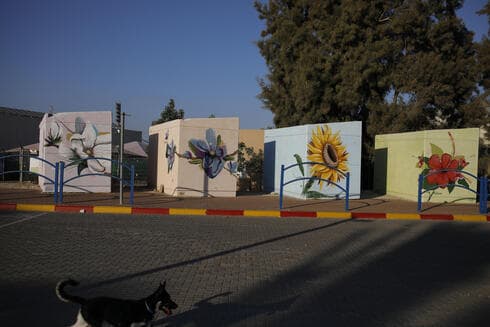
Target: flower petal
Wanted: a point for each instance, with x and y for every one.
(90, 135)
(77, 147)
(435, 162)
(212, 166)
(199, 147)
(211, 137)
(95, 166)
(445, 160)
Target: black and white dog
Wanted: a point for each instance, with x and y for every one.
(106, 311)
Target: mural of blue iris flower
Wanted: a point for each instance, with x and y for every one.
(211, 153)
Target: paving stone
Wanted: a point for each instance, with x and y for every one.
(233, 271)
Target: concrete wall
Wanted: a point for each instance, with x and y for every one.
(399, 159)
(281, 145)
(77, 135)
(179, 166)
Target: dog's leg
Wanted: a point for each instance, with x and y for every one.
(80, 321)
(141, 324)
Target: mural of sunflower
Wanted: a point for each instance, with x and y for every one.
(327, 148)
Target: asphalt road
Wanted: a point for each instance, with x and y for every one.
(231, 271)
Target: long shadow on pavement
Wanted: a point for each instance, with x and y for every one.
(209, 256)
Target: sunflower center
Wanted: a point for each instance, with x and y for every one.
(330, 155)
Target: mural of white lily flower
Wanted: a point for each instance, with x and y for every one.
(86, 143)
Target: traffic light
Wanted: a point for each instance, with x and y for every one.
(118, 114)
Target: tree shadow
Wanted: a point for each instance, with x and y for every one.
(209, 256)
(420, 281)
(432, 205)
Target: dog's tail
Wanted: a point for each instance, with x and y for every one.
(63, 296)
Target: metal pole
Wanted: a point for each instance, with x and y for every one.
(419, 193)
(21, 163)
(347, 188)
(61, 181)
(483, 194)
(121, 151)
(280, 189)
(56, 179)
(131, 196)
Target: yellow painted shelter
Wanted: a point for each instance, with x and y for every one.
(401, 157)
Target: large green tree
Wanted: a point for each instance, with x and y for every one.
(396, 65)
(169, 113)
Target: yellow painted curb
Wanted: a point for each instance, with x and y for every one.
(192, 212)
(332, 214)
(35, 207)
(262, 213)
(111, 209)
(470, 217)
(413, 216)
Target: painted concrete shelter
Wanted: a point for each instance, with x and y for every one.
(194, 157)
(72, 136)
(401, 157)
(336, 144)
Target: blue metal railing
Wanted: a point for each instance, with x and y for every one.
(59, 173)
(482, 193)
(345, 190)
(123, 165)
(55, 166)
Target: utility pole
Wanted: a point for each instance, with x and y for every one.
(121, 170)
(120, 125)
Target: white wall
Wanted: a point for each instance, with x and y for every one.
(280, 146)
(68, 136)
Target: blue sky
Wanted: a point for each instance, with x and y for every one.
(83, 55)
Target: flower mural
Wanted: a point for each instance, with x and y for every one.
(54, 135)
(211, 154)
(330, 157)
(86, 142)
(327, 149)
(441, 169)
(170, 151)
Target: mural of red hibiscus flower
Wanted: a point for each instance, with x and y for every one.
(442, 169)
(437, 173)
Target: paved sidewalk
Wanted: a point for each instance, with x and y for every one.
(244, 272)
(369, 206)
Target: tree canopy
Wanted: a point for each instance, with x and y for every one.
(169, 113)
(396, 65)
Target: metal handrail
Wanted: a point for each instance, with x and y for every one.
(482, 194)
(346, 190)
(130, 182)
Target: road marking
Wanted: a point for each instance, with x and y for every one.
(262, 213)
(35, 207)
(183, 211)
(470, 217)
(25, 219)
(112, 209)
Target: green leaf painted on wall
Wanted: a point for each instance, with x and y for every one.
(192, 147)
(450, 187)
(463, 182)
(315, 195)
(300, 162)
(81, 166)
(435, 149)
(308, 185)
